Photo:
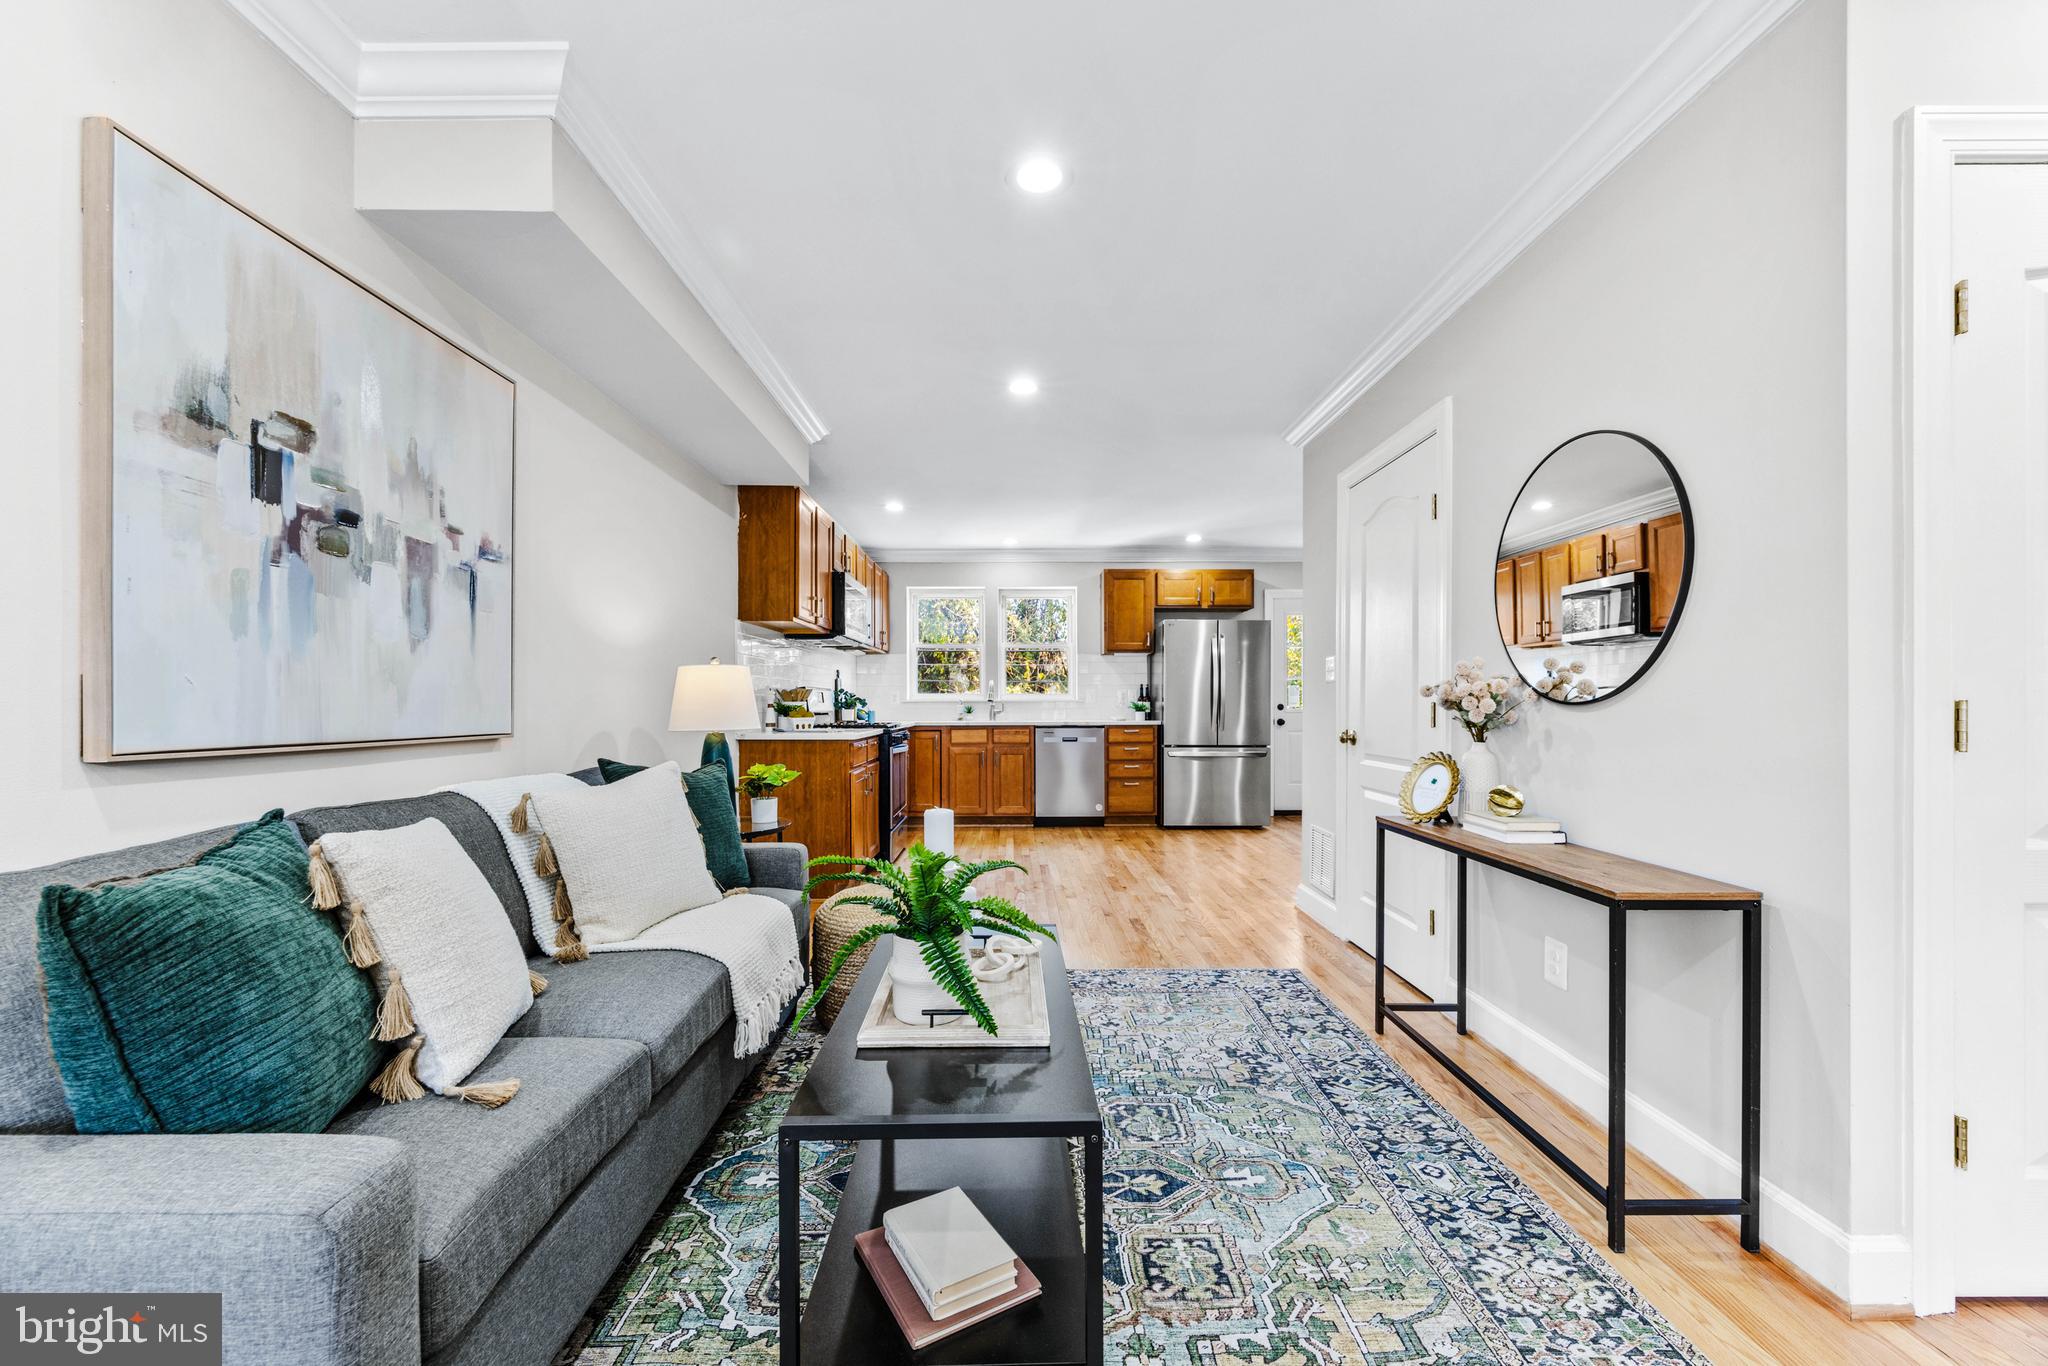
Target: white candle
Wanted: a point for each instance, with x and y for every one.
(938, 830)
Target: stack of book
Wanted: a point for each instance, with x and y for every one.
(1516, 829)
(941, 1267)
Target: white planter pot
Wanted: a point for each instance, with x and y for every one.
(762, 810)
(1478, 774)
(911, 988)
(785, 723)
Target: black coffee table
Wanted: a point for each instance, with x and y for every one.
(995, 1121)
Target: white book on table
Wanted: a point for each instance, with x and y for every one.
(965, 1295)
(945, 1243)
(1496, 824)
(1524, 836)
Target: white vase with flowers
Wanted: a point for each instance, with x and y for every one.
(1482, 703)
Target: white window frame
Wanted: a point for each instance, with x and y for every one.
(911, 598)
(997, 678)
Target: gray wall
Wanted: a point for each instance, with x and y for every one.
(1696, 297)
(624, 549)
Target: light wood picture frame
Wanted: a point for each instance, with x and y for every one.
(296, 498)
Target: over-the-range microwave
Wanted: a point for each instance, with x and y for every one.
(1609, 611)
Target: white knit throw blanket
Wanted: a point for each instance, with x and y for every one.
(752, 937)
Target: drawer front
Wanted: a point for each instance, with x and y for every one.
(1133, 794)
(1132, 768)
(864, 750)
(964, 736)
(1012, 735)
(1132, 752)
(1131, 734)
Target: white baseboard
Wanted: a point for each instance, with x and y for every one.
(1317, 907)
(1862, 1269)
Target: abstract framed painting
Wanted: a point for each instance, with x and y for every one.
(297, 497)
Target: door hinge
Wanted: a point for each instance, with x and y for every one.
(1432, 920)
(1962, 737)
(1962, 307)
(1962, 1144)
(1432, 507)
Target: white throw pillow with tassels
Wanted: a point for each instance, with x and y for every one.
(448, 968)
(628, 855)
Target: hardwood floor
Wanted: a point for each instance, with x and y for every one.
(1137, 896)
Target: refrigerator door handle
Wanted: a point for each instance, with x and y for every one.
(1214, 751)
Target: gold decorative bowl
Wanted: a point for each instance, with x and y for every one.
(1505, 802)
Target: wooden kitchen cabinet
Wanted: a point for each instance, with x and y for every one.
(1529, 595)
(1553, 566)
(1011, 769)
(967, 770)
(864, 805)
(787, 547)
(881, 611)
(1627, 548)
(927, 768)
(1127, 603)
(1588, 556)
(1504, 601)
(1665, 540)
(1227, 588)
(1178, 588)
(1528, 580)
(1132, 779)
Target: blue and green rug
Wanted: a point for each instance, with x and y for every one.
(1278, 1192)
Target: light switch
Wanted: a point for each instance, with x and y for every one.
(1329, 668)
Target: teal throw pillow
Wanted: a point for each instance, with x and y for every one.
(718, 820)
(206, 999)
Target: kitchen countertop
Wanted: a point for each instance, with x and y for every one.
(869, 732)
(816, 733)
(1037, 725)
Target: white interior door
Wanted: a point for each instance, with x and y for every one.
(1393, 604)
(2000, 547)
(1283, 610)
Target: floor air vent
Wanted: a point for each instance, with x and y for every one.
(1320, 864)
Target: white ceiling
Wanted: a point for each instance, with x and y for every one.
(1258, 194)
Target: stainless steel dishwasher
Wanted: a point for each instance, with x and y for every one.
(1071, 775)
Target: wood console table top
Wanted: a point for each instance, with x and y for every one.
(1600, 875)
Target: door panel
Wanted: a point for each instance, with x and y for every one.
(1553, 574)
(1244, 691)
(1627, 549)
(1393, 605)
(2000, 933)
(1284, 698)
(1126, 611)
(1229, 588)
(1186, 670)
(1178, 588)
(1528, 599)
(1589, 557)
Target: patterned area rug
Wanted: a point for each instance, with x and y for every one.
(1278, 1192)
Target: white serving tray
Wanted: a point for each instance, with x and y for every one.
(1018, 1002)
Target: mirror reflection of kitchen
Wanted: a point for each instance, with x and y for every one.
(1591, 562)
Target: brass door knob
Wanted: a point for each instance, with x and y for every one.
(1347, 737)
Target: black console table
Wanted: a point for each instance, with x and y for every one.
(1621, 885)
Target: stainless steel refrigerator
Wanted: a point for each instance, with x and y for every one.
(1210, 677)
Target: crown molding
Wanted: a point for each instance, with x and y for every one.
(1708, 43)
(459, 80)
(1138, 556)
(517, 80)
(583, 123)
(1641, 508)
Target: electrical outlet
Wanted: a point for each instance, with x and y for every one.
(1553, 962)
(1329, 668)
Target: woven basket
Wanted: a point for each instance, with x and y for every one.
(836, 922)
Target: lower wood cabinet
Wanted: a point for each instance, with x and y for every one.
(967, 770)
(1132, 781)
(1011, 769)
(834, 806)
(927, 768)
(864, 805)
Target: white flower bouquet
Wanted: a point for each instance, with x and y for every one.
(1478, 701)
(1563, 682)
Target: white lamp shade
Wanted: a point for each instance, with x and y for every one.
(714, 697)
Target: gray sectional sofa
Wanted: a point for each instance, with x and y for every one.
(430, 1232)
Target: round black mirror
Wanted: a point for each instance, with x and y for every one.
(1594, 564)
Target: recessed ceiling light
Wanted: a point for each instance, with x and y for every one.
(1540, 505)
(893, 505)
(1009, 540)
(1023, 386)
(1039, 175)
(1194, 536)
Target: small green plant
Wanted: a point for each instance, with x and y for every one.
(762, 779)
(926, 903)
(1140, 706)
(846, 700)
(784, 707)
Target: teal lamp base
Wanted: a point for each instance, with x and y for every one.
(717, 751)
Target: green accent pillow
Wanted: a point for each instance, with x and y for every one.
(206, 999)
(718, 820)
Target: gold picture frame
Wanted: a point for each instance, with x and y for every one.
(1439, 791)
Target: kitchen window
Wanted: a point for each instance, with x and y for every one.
(1037, 646)
(946, 641)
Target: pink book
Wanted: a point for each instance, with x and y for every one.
(920, 1329)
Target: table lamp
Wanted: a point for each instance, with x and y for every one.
(715, 698)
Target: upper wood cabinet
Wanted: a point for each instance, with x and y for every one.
(789, 547)
(785, 559)
(1178, 588)
(1131, 597)
(1504, 601)
(1127, 611)
(1665, 539)
(1227, 588)
(1627, 548)
(1588, 557)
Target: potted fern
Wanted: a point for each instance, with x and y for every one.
(930, 904)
